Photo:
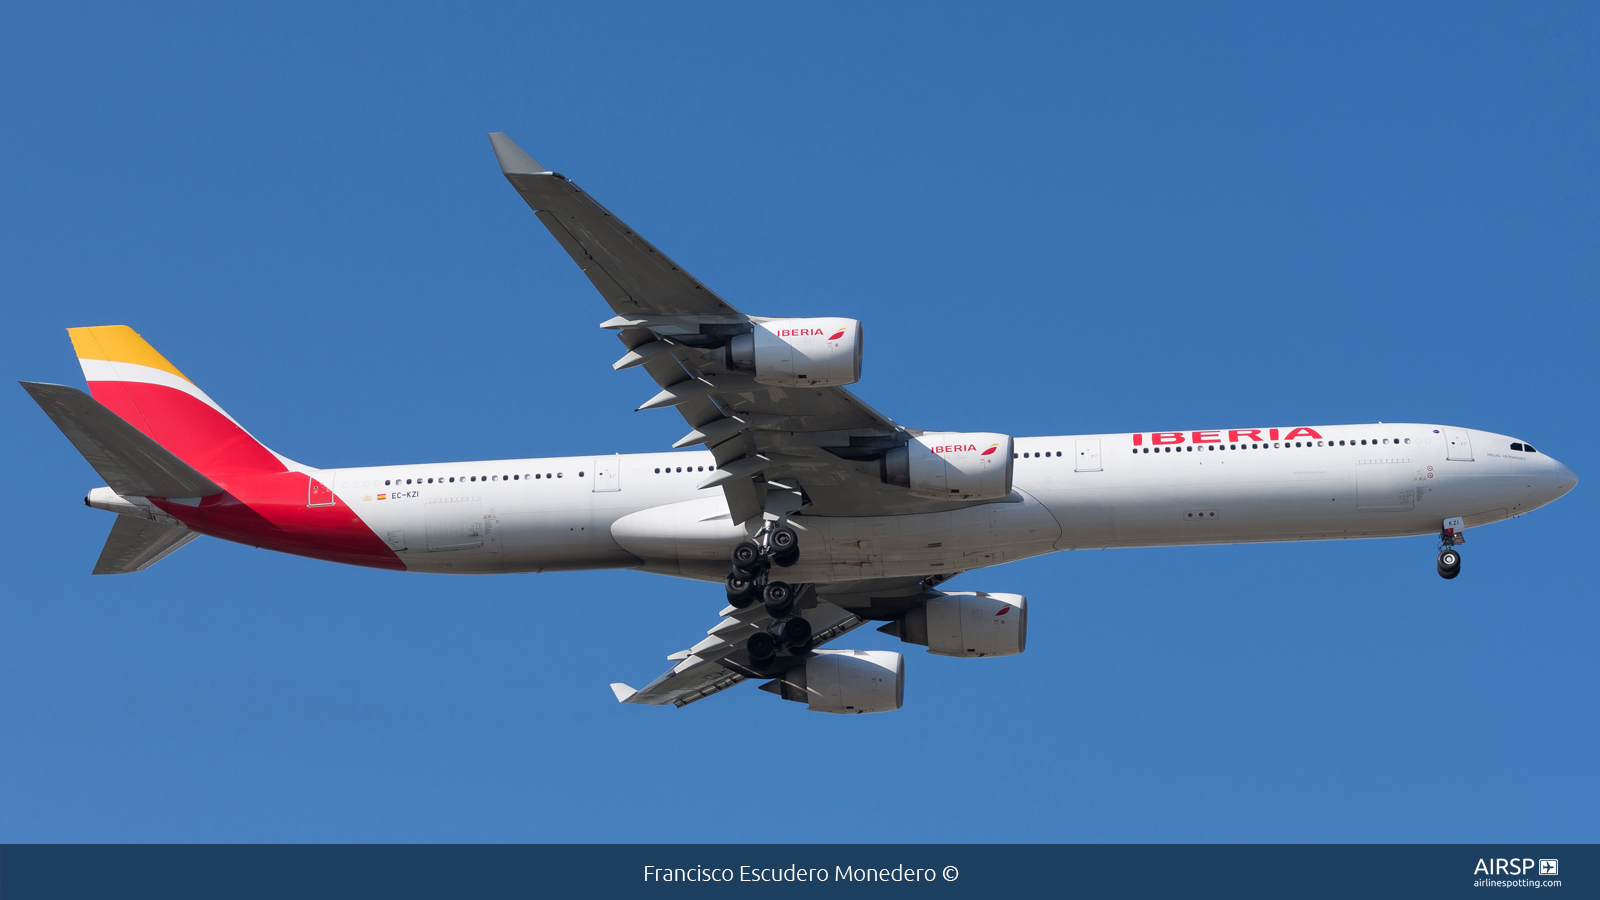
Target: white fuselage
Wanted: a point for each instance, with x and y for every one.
(1071, 492)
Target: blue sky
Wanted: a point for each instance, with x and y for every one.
(1052, 220)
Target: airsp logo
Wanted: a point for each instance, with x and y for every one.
(1516, 867)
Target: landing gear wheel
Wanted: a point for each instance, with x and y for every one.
(1449, 564)
(795, 632)
(783, 541)
(762, 647)
(747, 555)
(788, 559)
(742, 590)
(779, 598)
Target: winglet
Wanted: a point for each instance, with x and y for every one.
(513, 159)
(622, 691)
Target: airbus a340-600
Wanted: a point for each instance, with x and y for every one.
(813, 512)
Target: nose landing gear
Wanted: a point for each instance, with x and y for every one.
(1449, 537)
(752, 562)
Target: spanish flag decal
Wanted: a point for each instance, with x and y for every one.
(382, 496)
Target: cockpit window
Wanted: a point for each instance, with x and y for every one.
(1517, 447)
(1525, 448)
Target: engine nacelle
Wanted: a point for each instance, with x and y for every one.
(953, 466)
(800, 352)
(966, 623)
(849, 682)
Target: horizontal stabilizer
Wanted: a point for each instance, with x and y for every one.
(131, 463)
(137, 544)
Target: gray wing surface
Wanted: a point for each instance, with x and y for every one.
(719, 662)
(131, 463)
(137, 544)
(632, 275)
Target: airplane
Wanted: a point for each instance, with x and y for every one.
(817, 513)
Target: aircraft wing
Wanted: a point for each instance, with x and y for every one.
(632, 275)
(808, 442)
(719, 662)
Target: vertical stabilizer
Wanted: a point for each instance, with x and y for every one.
(133, 380)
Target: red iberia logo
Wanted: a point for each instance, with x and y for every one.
(992, 448)
(837, 334)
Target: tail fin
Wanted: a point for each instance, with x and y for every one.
(131, 379)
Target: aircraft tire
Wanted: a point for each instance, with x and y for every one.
(761, 648)
(784, 541)
(746, 555)
(742, 589)
(779, 598)
(1449, 564)
(796, 631)
(785, 560)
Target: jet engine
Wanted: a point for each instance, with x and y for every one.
(799, 352)
(952, 466)
(848, 682)
(966, 623)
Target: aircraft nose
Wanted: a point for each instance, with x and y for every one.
(1566, 479)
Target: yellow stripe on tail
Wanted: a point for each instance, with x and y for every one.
(119, 343)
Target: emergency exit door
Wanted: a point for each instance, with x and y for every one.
(606, 473)
(1088, 457)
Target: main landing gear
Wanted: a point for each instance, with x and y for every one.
(750, 581)
(1449, 558)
